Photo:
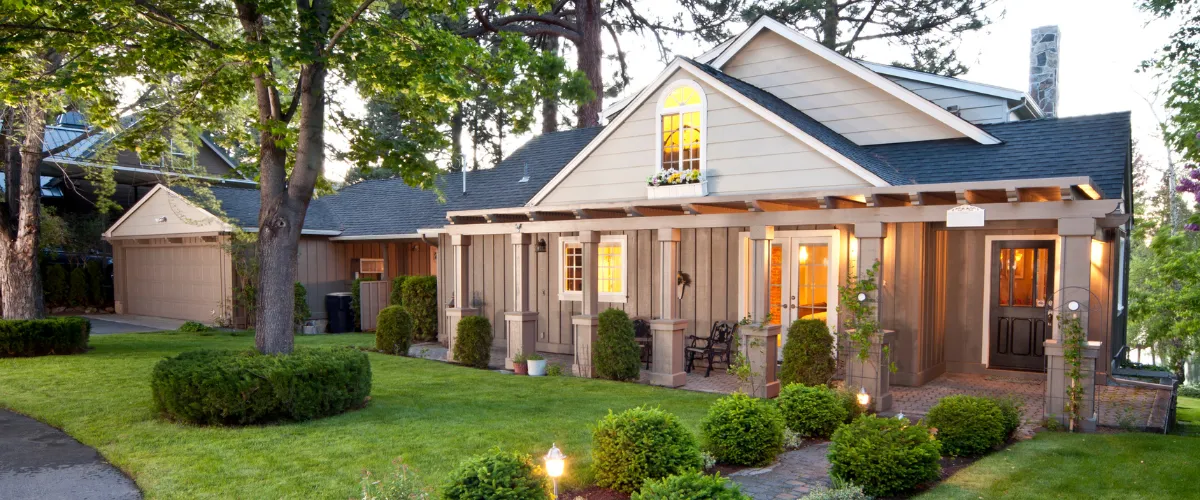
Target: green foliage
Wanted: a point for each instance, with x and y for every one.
(1073, 339)
(690, 485)
(849, 492)
(473, 344)
(356, 302)
(1010, 413)
(393, 332)
(497, 475)
(194, 327)
(808, 354)
(639, 444)
(420, 300)
(885, 456)
(967, 425)
(811, 411)
(57, 288)
(741, 430)
(402, 484)
(1177, 64)
(301, 313)
(1164, 291)
(616, 355)
(212, 387)
(95, 278)
(78, 296)
(554, 370)
(39, 337)
(850, 403)
(54, 233)
(1189, 391)
(858, 318)
(396, 296)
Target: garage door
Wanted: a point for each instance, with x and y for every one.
(176, 281)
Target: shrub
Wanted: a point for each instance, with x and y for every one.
(885, 456)
(616, 355)
(95, 278)
(741, 430)
(639, 444)
(38, 337)
(393, 333)
(300, 312)
(690, 485)
(967, 425)
(1010, 414)
(850, 403)
(420, 300)
(554, 370)
(1189, 391)
(811, 411)
(356, 302)
(57, 288)
(402, 484)
(473, 344)
(79, 288)
(849, 492)
(496, 475)
(194, 327)
(396, 297)
(245, 387)
(807, 354)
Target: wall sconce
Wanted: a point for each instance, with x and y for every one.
(1097, 252)
(682, 281)
(540, 246)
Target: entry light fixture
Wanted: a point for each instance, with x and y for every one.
(1073, 305)
(862, 297)
(864, 399)
(540, 246)
(556, 463)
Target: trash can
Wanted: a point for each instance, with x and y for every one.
(337, 306)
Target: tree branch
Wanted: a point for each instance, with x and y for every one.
(26, 27)
(862, 24)
(541, 25)
(157, 14)
(337, 35)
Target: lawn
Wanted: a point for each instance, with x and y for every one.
(1187, 417)
(430, 414)
(1061, 465)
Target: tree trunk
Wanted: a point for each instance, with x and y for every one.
(829, 24)
(590, 53)
(550, 103)
(21, 281)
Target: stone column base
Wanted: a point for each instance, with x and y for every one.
(522, 335)
(760, 344)
(872, 375)
(585, 327)
(1057, 383)
(453, 316)
(667, 357)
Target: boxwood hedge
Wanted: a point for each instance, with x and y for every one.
(39, 337)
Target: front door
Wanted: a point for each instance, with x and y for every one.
(803, 280)
(1021, 294)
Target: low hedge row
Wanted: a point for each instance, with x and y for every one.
(39, 337)
(212, 387)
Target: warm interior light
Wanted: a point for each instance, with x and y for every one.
(555, 462)
(803, 254)
(1097, 252)
(864, 399)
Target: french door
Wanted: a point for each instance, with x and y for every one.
(803, 278)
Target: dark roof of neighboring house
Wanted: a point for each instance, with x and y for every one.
(1095, 145)
(809, 125)
(242, 204)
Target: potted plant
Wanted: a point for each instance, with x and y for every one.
(519, 365)
(537, 364)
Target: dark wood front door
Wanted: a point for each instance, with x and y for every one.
(1021, 294)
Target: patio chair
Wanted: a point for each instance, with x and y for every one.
(641, 333)
(717, 346)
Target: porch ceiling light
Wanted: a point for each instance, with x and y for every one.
(864, 399)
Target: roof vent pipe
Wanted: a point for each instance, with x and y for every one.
(1043, 69)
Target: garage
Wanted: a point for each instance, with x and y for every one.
(176, 280)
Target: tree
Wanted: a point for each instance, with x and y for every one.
(1166, 304)
(1178, 65)
(928, 28)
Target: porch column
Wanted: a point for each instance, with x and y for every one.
(874, 374)
(759, 340)
(586, 323)
(667, 358)
(522, 322)
(461, 245)
(1076, 260)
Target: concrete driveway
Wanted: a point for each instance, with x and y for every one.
(40, 462)
(103, 324)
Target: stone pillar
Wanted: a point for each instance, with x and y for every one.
(874, 374)
(667, 366)
(1076, 261)
(461, 245)
(587, 322)
(522, 322)
(1057, 383)
(760, 272)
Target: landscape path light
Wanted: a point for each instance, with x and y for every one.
(555, 464)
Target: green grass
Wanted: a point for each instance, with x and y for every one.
(1061, 465)
(1187, 417)
(430, 414)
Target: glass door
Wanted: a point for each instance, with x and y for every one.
(1022, 289)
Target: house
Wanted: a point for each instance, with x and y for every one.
(172, 252)
(985, 211)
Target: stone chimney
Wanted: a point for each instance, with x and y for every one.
(1043, 69)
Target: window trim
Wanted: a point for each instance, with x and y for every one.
(569, 296)
(702, 108)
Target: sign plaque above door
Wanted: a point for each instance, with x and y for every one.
(964, 216)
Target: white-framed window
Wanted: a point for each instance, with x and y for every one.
(612, 268)
(682, 124)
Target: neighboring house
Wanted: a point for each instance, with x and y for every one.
(172, 257)
(985, 211)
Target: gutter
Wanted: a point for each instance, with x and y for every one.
(369, 237)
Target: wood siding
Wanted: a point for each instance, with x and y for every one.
(325, 266)
(845, 103)
(975, 108)
(165, 213)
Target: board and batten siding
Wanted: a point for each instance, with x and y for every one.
(325, 266)
(845, 103)
(976, 108)
(745, 154)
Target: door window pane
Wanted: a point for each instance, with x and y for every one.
(1042, 277)
(812, 281)
(1005, 277)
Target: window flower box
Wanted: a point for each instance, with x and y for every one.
(676, 184)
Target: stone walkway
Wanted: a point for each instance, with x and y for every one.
(40, 462)
(794, 475)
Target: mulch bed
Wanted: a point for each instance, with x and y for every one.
(593, 493)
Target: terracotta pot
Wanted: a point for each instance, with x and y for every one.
(521, 368)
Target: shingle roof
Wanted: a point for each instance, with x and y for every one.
(242, 204)
(1095, 145)
(809, 126)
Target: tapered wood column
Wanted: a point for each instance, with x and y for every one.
(586, 323)
(461, 249)
(522, 322)
(874, 374)
(759, 340)
(1076, 260)
(668, 329)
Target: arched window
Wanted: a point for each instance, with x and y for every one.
(681, 123)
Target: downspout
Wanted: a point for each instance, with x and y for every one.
(425, 238)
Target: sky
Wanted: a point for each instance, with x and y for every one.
(1103, 44)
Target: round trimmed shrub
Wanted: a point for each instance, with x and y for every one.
(419, 296)
(967, 425)
(689, 485)
(885, 456)
(639, 444)
(741, 430)
(498, 475)
(850, 403)
(213, 387)
(393, 331)
(1010, 414)
(39, 337)
(807, 354)
(473, 343)
(811, 411)
(616, 355)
